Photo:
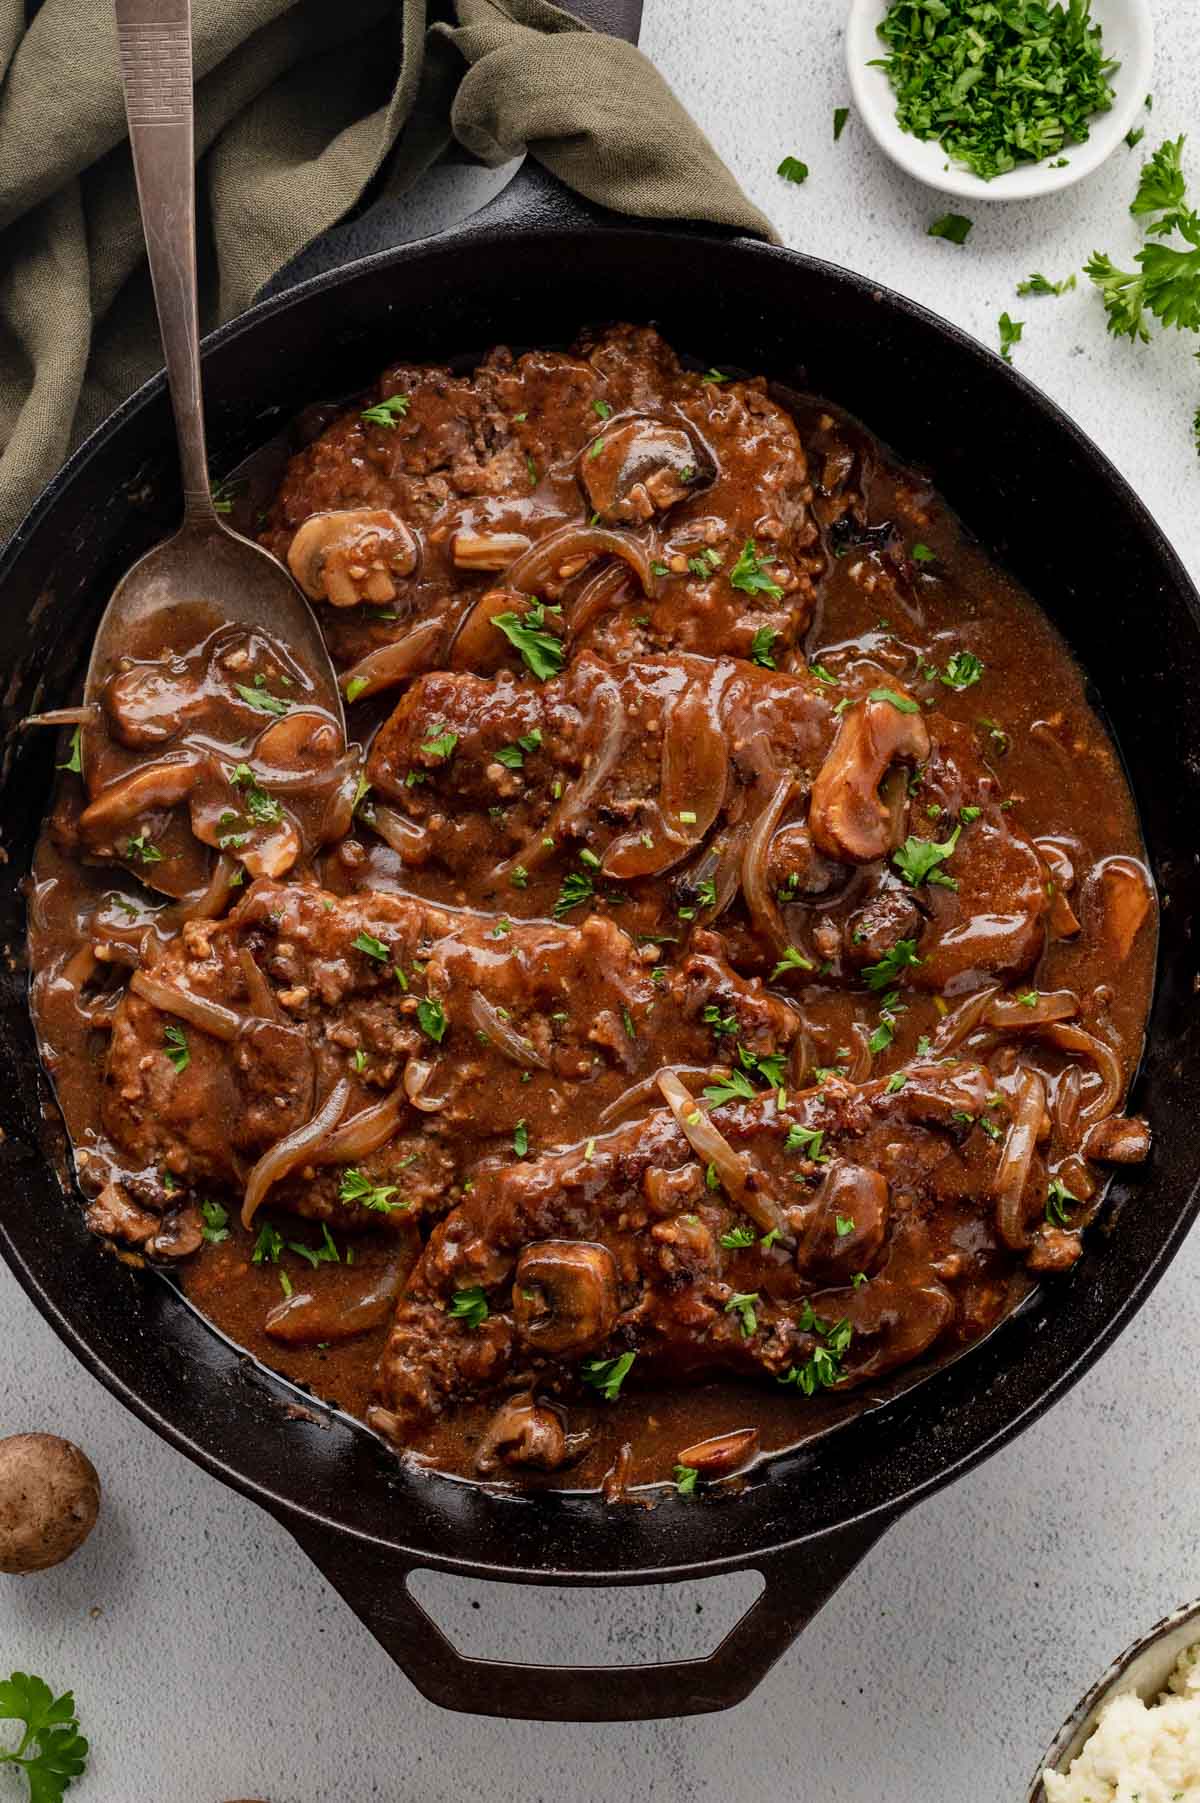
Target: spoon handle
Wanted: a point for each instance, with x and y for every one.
(155, 42)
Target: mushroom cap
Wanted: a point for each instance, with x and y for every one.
(352, 555)
(49, 1501)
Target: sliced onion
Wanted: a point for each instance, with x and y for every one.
(963, 1021)
(487, 550)
(695, 774)
(488, 1019)
(1068, 1095)
(390, 664)
(755, 888)
(409, 841)
(1013, 1016)
(417, 1073)
(600, 594)
(568, 543)
(1108, 1066)
(860, 1062)
(476, 645)
(307, 1318)
(742, 1182)
(62, 716)
(608, 734)
(296, 1148)
(197, 1010)
(262, 996)
(365, 1131)
(635, 1099)
(1012, 1169)
(206, 903)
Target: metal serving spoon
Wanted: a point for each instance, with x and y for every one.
(204, 561)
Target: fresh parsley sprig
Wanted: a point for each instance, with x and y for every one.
(51, 1751)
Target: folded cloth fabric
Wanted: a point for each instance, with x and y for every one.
(304, 109)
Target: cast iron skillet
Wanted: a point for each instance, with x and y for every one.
(1043, 499)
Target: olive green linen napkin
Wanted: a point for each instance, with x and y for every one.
(302, 107)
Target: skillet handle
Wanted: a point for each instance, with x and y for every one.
(373, 1580)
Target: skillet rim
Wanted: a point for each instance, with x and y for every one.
(620, 237)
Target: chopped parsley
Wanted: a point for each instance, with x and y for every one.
(793, 170)
(807, 1140)
(840, 116)
(441, 745)
(601, 409)
(954, 227)
(737, 1237)
(895, 1083)
(540, 650)
(705, 563)
(963, 669)
(736, 1087)
(177, 1048)
(355, 687)
(760, 647)
(374, 948)
(1011, 332)
(918, 859)
(358, 1190)
(143, 850)
(520, 1139)
(889, 1007)
(324, 1254)
(260, 697)
(74, 761)
(386, 413)
(513, 756)
(715, 377)
(432, 1018)
(923, 554)
(897, 958)
(1057, 1197)
(1039, 284)
(741, 1303)
(577, 888)
(996, 86)
(750, 577)
(685, 1479)
(268, 1247)
(791, 959)
(844, 1226)
(607, 1375)
(51, 1751)
(216, 1222)
(469, 1306)
(1166, 281)
(901, 702)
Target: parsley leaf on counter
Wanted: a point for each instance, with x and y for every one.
(952, 226)
(793, 170)
(1011, 332)
(51, 1750)
(1039, 284)
(840, 116)
(1166, 282)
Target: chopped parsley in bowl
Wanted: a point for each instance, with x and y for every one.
(999, 99)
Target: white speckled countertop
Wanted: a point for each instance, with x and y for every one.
(209, 1661)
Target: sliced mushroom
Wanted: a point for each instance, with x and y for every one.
(638, 468)
(1117, 1140)
(114, 1216)
(847, 816)
(1127, 901)
(721, 1455)
(872, 930)
(148, 704)
(847, 1224)
(181, 1234)
(352, 556)
(565, 1295)
(162, 784)
(528, 1433)
(938, 1094)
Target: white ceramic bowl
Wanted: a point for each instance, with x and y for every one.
(1128, 36)
(1144, 1667)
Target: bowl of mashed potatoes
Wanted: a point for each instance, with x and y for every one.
(1137, 1732)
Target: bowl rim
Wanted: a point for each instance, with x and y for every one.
(1077, 1728)
(924, 160)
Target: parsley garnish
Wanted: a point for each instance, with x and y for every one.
(714, 377)
(918, 860)
(432, 1017)
(922, 554)
(952, 226)
(895, 1083)
(791, 959)
(355, 687)
(685, 1479)
(760, 647)
(216, 1222)
(840, 116)
(736, 1087)
(177, 1048)
(1057, 1198)
(268, 1247)
(260, 697)
(374, 948)
(1166, 282)
(469, 1306)
(1039, 284)
(793, 170)
(844, 1226)
(51, 1750)
(541, 651)
(737, 1237)
(901, 702)
(358, 1190)
(513, 756)
(962, 670)
(74, 761)
(897, 958)
(996, 86)
(386, 413)
(143, 850)
(607, 1375)
(577, 888)
(805, 1139)
(520, 1139)
(748, 574)
(324, 1254)
(742, 1303)
(441, 745)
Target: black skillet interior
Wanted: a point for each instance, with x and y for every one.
(1040, 497)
